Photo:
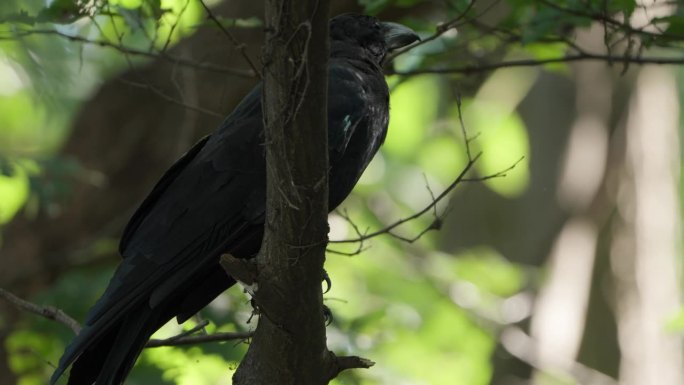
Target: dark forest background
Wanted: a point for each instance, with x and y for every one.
(555, 260)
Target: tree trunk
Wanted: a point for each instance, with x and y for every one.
(289, 344)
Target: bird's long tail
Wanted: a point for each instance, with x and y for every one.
(108, 360)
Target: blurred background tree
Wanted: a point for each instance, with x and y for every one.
(567, 270)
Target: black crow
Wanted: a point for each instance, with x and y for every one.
(212, 201)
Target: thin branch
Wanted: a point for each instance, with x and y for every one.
(388, 229)
(360, 248)
(498, 174)
(341, 363)
(49, 312)
(609, 21)
(464, 132)
(436, 224)
(168, 98)
(199, 327)
(441, 29)
(200, 339)
(173, 27)
(184, 338)
(239, 46)
(132, 51)
(470, 69)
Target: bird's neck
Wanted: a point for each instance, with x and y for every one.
(354, 53)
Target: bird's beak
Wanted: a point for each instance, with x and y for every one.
(398, 36)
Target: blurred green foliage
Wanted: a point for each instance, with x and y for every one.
(420, 313)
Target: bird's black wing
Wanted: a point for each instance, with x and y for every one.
(147, 204)
(208, 203)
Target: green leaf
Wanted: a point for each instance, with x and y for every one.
(413, 109)
(542, 51)
(373, 7)
(155, 8)
(6, 168)
(676, 323)
(675, 28)
(548, 22)
(626, 7)
(489, 271)
(61, 12)
(443, 157)
(503, 141)
(14, 191)
(21, 17)
(130, 4)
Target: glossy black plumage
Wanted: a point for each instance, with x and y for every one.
(212, 201)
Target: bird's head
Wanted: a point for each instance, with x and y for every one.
(369, 34)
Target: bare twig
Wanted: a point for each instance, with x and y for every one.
(444, 27)
(239, 46)
(609, 21)
(436, 224)
(464, 132)
(340, 363)
(131, 51)
(199, 327)
(168, 98)
(585, 56)
(184, 338)
(498, 174)
(48, 312)
(173, 27)
(360, 247)
(441, 29)
(388, 229)
(200, 339)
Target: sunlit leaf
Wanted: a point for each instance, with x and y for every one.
(179, 19)
(34, 379)
(503, 141)
(549, 51)
(442, 157)
(489, 271)
(188, 366)
(676, 322)
(14, 191)
(448, 349)
(28, 351)
(413, 109)
(130, 4)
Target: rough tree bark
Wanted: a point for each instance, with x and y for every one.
(289, 343)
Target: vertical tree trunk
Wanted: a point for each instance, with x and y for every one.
(289, 345)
